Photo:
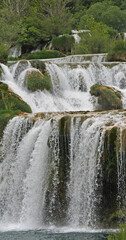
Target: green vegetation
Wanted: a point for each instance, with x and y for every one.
(117, 51)
(108, 97)
(4, 52)
(63, 43)
(11, 101)
(35, 81)
(5, 116)
(120, 234)
(45, 54)
(10, 105)
(95, 41)
(33, 23)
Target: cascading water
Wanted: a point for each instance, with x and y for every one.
(51, 168)
(33, 184)
(71, 84)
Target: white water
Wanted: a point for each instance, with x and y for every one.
(71, 84)
(31, 150)
(28, 164)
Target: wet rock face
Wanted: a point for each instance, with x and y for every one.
(108, 97)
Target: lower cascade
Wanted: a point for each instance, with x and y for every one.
(63, 169)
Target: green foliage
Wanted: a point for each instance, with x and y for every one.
(45, 54)
(96, 41)
(117, 51)
(4, 52)
(120, 234)
(63, 43)
(35, 81)
(118, 22)
(105, 13)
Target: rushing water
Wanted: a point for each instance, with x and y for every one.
(50, 171)
(71, 78)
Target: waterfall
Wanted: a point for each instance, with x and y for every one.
(54, 167)
(51, 170)
(71, 83)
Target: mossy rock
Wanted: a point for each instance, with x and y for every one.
(108, 97)
(5, 116)
(35, 80)
(11, 101)
(10, 105)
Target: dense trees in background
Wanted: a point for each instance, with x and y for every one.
(33, 22)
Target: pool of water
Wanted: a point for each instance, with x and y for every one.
(53, 235)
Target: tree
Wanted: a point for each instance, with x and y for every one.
(96, 41)
(16, 6)
(118, 22)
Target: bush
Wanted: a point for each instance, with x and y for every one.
(45, 54)
(35, 80)
(117, 51)
(120, 234)
(63, 43)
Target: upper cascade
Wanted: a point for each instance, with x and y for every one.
(71, 80)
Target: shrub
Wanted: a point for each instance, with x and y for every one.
(120, 234)
(35, 80)
(63, 43)
(45, 54)
(117, 51)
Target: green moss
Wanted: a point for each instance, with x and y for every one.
(10, 105)
(11, 101)
(35, 80)
(5, 116)
(108, 97)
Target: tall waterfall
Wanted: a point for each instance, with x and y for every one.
(56, 166)
(51, 170)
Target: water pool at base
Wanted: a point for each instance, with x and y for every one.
(47, 235)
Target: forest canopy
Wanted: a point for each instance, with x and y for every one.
(34, 22)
